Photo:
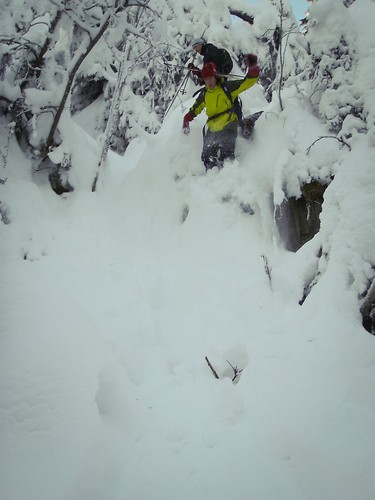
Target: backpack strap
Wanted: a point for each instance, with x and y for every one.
(227, 93)
(236, 104)
(230, 110)
(199, 91)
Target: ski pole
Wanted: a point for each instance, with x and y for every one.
(230, 74)
(176, 66)
(183, 90)
(184, 82)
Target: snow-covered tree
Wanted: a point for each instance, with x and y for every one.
(333, 65)
(56, 58)
(51, 49)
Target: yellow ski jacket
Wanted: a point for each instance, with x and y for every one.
(218, 103)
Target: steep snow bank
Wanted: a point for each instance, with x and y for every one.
(112, 301)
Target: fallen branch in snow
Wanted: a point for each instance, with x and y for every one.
(237, 371)
(212, 368)
(340, 139)
(267, 268)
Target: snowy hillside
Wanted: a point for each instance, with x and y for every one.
(112, 300)
(112, 303)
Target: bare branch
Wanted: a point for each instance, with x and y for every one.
(20, 44)
(39, 22)
(242, 15)
(268, 269)
(70, 81)
(212, 368)
(236, 370)
(340, 139)
(74, 18)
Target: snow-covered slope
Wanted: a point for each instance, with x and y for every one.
(111, 302)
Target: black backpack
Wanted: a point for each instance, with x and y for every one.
(226, 63)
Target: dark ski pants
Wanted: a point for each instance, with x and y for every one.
(218, 147)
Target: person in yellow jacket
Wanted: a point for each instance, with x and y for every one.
(219, 140)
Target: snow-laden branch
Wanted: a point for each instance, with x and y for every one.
(20, 43)
(76, 18)
(242, 15)
(133, 30)
(70, 80)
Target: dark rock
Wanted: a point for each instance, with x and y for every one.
(297, 219)
(368, 310)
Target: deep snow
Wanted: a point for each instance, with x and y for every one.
(110, 302)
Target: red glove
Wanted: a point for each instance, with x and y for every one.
(196, 71)
(187, 119)
(252, 65)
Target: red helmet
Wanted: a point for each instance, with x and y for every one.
(208, 70)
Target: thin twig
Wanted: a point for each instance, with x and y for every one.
(212, 368)
(268, 269)
(236, 371)
(340, 139)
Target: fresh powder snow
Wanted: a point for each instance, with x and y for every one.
(112, 301)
